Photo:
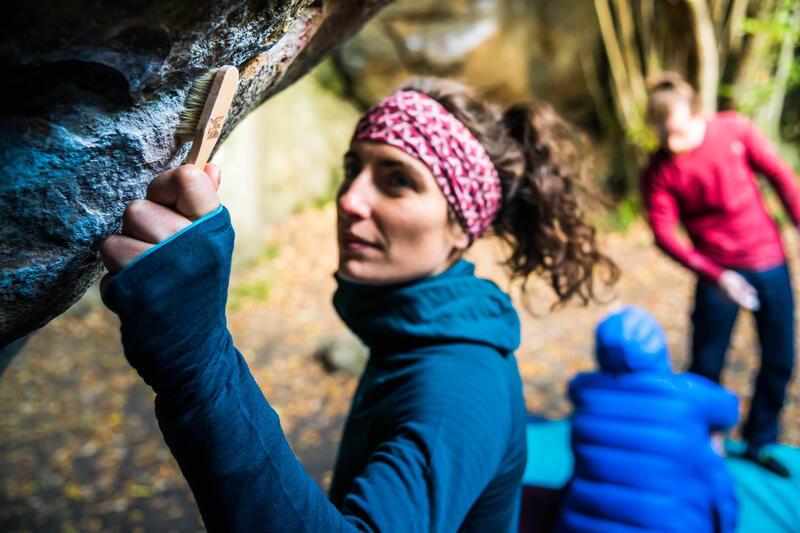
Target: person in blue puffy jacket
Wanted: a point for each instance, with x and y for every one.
(641, 439)
(435, 438)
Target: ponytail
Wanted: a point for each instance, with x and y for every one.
(536, 155)
(541, 218)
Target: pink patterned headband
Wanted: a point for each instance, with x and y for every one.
(425, 130)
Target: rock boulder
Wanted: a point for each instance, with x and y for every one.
(94, 91)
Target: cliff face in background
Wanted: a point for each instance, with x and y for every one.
(94, 93)
(509, 50)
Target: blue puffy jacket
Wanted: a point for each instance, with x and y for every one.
(640, 436)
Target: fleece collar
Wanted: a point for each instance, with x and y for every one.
(454, 306)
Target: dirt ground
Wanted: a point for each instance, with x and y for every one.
(79, 446)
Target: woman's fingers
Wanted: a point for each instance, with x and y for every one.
(213, 172)
(190, 191)
(119, 250)
(174, 199)
(151, 222)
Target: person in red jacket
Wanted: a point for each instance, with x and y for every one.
(702, 177)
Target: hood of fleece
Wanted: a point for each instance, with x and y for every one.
(630, 340)
(454, 306)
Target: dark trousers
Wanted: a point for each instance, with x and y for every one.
(713, 319)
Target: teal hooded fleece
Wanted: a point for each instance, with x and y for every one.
(435, 440)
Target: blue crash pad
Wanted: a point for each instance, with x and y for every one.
(767, 502)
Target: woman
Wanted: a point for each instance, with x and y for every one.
(703, 177)
(435, 438)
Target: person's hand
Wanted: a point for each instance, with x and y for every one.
(718, 442)
(174, 199)
(738, 290)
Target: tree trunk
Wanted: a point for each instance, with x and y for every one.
(754, 65)
(647, 37)
(774, 108)
(630, 50)
(621, 90)
(707, 54)
(734, 27)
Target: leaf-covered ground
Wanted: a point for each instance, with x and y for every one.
(79, 445)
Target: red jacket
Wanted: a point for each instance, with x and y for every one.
(712, 191)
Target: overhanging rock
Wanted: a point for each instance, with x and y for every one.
(93, 93)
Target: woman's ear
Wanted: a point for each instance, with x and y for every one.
(459, 237)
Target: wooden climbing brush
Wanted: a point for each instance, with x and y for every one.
(204, 113)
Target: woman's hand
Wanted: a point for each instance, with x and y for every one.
(738, 290)
(174, 199)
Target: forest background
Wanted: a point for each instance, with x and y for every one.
(79, 446)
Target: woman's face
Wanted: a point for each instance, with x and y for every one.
(392, 218)
(683, 130)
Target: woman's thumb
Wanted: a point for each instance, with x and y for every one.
(214, 173)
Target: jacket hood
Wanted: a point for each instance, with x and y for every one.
(630, 340)
(453, 306)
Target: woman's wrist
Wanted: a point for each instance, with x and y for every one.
(171, 303)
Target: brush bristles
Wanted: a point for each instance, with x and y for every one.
(193, 107)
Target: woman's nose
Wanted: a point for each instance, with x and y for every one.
(355, 197)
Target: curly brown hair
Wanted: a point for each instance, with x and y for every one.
(537, 157)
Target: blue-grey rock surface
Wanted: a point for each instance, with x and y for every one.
(93, 94)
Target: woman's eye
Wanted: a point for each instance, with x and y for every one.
(351, 170)
(397, 179)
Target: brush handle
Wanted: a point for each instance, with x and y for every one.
(213, 116)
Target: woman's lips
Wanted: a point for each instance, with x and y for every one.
(350, 241)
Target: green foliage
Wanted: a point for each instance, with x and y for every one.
(642, 136)
(257, 290)
(790, 120)
(627, 211)
(330, 78)
(750, 100)
(337, 175)
(266, 255)
(774, 207)
(269, 253)
(777, 27)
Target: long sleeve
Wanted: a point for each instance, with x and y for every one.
(228, 440)
(764, 158)
(663, 216)
(718, 406)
